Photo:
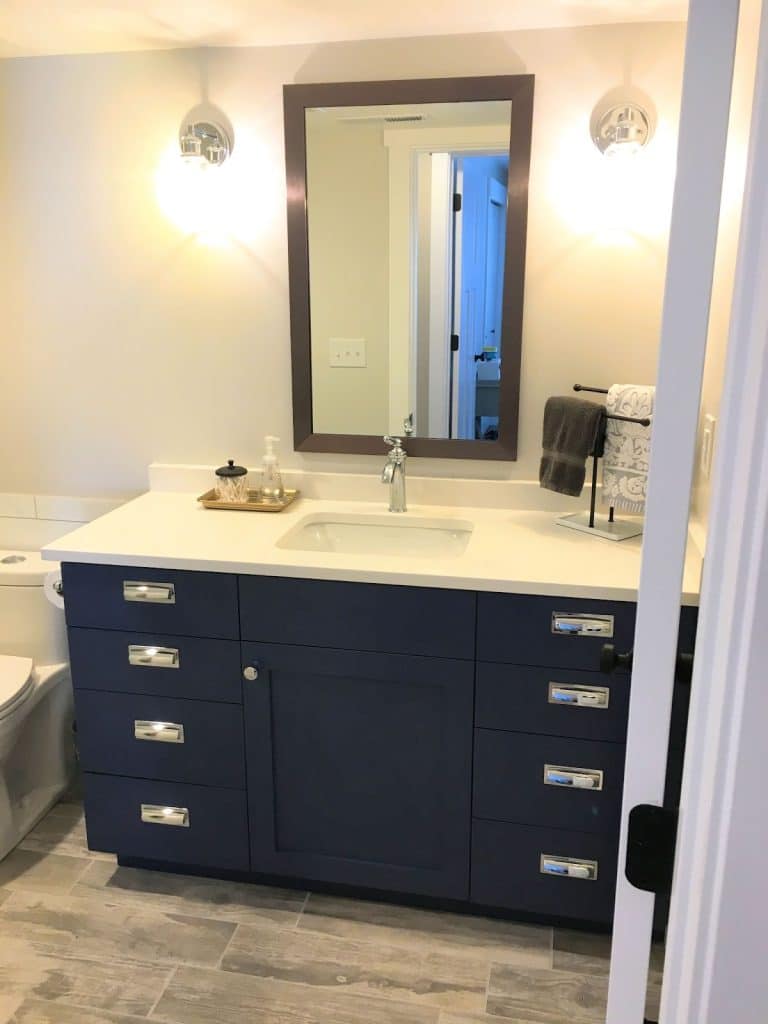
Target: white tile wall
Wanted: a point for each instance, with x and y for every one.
(21, 506)
(27, 521)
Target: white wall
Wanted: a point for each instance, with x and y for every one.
(124, 341)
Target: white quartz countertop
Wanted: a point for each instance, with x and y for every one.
(516, 552)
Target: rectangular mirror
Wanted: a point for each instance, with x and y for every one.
(407, 207)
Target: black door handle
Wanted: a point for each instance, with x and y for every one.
(610, 660)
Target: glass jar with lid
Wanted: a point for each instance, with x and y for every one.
(232, 483)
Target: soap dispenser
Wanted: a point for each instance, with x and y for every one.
(272, 489)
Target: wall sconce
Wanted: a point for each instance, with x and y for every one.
(622, 129)
(204, 143)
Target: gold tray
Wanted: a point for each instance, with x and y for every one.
(254, 503)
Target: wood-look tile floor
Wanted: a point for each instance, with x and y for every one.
(83, 941)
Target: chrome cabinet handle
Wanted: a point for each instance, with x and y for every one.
(573, 778)
(147, 656)
(576, 696)
(156, 593)
(568, 867)
(158, 732)
(574, 624)
(155, 814)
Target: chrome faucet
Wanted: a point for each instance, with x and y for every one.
(394, 474)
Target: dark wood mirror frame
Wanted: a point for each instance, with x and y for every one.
(297, 98)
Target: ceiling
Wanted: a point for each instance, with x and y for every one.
(37, 27)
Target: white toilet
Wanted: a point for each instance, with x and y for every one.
(36, 744)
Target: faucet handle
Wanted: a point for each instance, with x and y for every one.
(395, 442)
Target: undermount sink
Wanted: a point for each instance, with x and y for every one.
(379, 535)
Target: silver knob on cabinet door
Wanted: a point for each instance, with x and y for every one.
(250, 672)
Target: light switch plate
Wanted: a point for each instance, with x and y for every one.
(347, 352)
(707, 445)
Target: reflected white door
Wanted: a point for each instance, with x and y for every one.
(705, 105)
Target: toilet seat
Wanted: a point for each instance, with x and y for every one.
(16, 683)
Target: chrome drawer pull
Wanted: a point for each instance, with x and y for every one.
(573, 778)
(576, 696)
(156, 593)
(568, 867)
(153, 657)
(573, 624)
(155, 814)
(159, 732)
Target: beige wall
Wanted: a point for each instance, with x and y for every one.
(348, 219)
(728, 237)
(123, 341)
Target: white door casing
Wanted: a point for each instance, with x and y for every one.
(715, 964)
(709, 61)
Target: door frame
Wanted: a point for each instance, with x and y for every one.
(704, 118)
(404, 146)
(715, 963)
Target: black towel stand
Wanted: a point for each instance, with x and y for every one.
(599, 450)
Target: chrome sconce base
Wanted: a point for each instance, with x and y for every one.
(206, 142)
(620, 127)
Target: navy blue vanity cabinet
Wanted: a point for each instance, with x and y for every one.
(434, 743)
(359, 768)
(155, 658)
(151, 600)
(549, 754)
(166, 822)
(554, 632)
(358, 616)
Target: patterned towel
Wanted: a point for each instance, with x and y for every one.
(627, 447)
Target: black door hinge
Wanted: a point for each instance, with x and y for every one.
(454, 343)
(651, 837)
(456, 202)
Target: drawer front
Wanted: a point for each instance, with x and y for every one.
(157, 738)
(180, 824)
(554, 702)
(563, 632)
(151, 600)
(358, 616)
(157, 664)
(507, 871)
(548, 781)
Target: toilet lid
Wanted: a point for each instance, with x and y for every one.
(15, 682)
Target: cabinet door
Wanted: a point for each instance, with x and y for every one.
(359, 768)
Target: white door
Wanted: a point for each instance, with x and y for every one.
(710, 47)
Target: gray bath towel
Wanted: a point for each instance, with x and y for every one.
(571, 427)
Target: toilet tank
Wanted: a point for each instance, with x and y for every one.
(30, 626)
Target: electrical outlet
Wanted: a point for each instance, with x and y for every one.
(707, 445)
(347, 352)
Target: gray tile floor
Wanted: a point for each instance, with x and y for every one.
(83, 941)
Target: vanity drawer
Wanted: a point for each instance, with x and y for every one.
(508, 871)
(553, 702)
(151, 600)
(158, 664)
(545, 780)
(163, 821)
(120, 734)
(358, 616)
(563, 632)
